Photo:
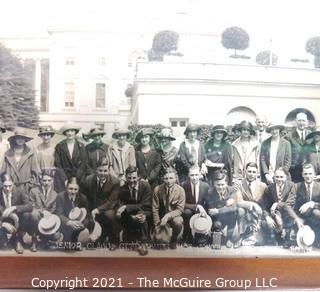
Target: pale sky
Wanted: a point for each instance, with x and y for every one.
(288, 23)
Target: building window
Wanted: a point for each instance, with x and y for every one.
(179, 122)
(174, 123)
(100, 95)
(69, 94)
(101, 61)
(69, 61)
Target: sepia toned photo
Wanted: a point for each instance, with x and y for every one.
(184, 128)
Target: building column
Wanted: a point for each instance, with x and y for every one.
(37, 83)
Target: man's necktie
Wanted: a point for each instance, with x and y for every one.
(280, 192)
(309, 191)
(260, 138)
(121, 162)
(194, 193)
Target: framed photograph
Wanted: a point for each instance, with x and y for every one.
(159, 145)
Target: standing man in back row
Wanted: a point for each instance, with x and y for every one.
(297, 139)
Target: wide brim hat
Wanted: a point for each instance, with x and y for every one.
(119, 132)
(78, 214)
(83, 236)
(273, 126)
(219, 128)
(20, 133)
(305, 237)
(96, 132)
(11, 221)
(312, 134)
(166, 133)
(144, 132)
(96, 232)
(46, 130)
(192, 128)
(200, 224)
(70, 126)
(49, 224)
(162, 234)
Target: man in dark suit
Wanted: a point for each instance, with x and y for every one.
(13, 201)
(250, 192)
(66, 201)
(308, 200)
(222, 207)
(168, 205)
(275, 152)
(70, 154)
(297, 139)
(134, 212)
(278, 203)
(43, 200)
(102, 191)
(196, 192)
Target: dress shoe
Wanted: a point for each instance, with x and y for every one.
(33, 247)
(142, 250)
(173, 245)
(19, 248)
(112, 247)
(237, 244)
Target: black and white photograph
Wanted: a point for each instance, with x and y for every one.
(147, 128)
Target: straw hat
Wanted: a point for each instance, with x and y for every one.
(46, 130)
(278, 126)
(78, 214)
(166, 133)
(200, 224)
(305, 237)
(49, 224)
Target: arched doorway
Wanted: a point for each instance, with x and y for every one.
(238, 114)
(290, 119)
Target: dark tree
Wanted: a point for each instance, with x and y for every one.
(263, 58)
(17, 98)
(235, 38)
(313, 47)
(164, 43)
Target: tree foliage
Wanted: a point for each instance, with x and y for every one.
(164, 43)
(263, 58)
(313, 47)
(17, 98)
(235, 38)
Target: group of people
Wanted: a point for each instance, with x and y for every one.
(260, 189)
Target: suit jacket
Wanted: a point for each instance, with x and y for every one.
(185, 157)
(110, 192)
(75, 166)
(216, 201)
(288, 198)
(296, 146)
(19, 200)
(161, 205)
(129, 159)
(247, 195)
(283, 158)
(190, 199)
(149, 166)
(239, 161)
(96, 153)
(38, 200)
(143, 202)
(310, 154)
(302, 195)
(26, 169)
(64, 206)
